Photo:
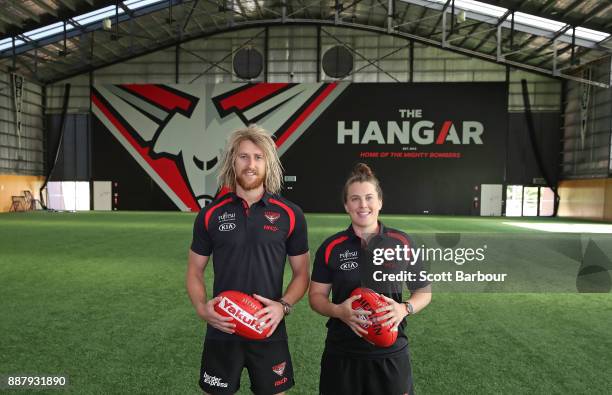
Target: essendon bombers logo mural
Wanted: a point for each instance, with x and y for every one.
(177, 133)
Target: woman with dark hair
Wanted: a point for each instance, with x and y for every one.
(350, 364)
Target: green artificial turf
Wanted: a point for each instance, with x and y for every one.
(100, 297)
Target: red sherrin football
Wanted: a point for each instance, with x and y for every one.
(377, 334)
(242, 308)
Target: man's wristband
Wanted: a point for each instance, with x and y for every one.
(409, 308)
(287, 307)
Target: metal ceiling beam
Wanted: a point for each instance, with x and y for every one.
(28, 67)
(550, 42)
(189, 15)
(195, 20)
(568, 65)
(134, 19)
(32, 15)
(230, 9)
(162, 24)
(206, 15)
(317, 22)
(473, 25)
(403, 17)
(467, 36)
(9, 21)
(209, 16)
(415, 28)
(513, 31)
(598, 9)
(370, 14)
(557, 54)
(41, 62)
(87, 28)
(554, 9)
(546, 6)
(493, 31)
(506, 24)
(54, 14)
(80, 27)
(349, 6)
(68, 4)
(45, 62)
(301, 7)
(570, 8)
(46, 7)
(442, 11)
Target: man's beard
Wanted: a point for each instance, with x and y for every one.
(247, 186)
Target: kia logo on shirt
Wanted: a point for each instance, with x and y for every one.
(226, 227)
(349, 265)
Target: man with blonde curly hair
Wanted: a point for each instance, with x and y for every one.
(250, 231)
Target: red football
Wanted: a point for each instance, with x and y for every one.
(371, 301)
(242, 308)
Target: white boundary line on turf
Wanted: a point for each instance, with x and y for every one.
(563, 227)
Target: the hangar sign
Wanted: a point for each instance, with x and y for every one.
(420, 133)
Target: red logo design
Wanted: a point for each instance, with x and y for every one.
(281, 381)
(272, 216)
(161, 126)
(280, 368)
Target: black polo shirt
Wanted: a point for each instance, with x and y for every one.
(249, 246)
(346, 262)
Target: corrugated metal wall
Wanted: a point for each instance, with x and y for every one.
(29, 159)
(587, 126)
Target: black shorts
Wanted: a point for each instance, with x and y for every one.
(268, 363)
(358, 376)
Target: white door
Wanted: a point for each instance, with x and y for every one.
(491, 200)
(102, 191)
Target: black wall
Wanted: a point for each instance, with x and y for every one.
(73, 159)
(522, 165)
(111, 162)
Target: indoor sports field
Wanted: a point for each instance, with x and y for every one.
(101, 298)
(486, 125)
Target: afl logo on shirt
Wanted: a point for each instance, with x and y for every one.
(227, 226)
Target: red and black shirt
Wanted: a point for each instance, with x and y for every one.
(345, 261)
(249, 246)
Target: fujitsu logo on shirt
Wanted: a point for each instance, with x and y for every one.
(227, 217)
(244, 317)
(346, 255)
